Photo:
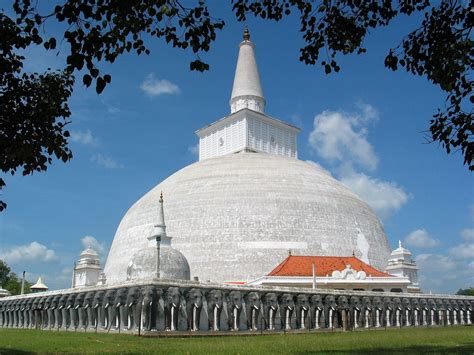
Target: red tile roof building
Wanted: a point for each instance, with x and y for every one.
(298, 265)
(332, 272)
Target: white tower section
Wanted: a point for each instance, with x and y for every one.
(87, 269)
(247, 91)
(247, 128)
(401, 264)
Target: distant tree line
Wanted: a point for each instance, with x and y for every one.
(466, 291)
(10, 281)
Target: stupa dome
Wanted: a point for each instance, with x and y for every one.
(173, 264)
(237, 212)
(235, 216)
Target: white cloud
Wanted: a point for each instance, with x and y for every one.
(106, 161)
(420, 238)
(383, 196)
(463, 251)
(435, 262)
(113, 110)
(83, 137)
(154, 87)
(194, 149)
(441, 273)
(342, 137)
(467, 234)
(90, 242)
(31, 252)
(369, 112)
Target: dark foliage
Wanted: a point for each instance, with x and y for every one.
(10, 281)
(466, 291)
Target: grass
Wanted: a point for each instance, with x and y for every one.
(458, 340)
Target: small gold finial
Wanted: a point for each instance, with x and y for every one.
(246, 34)
(161, 196)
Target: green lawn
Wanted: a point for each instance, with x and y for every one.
(415, 340)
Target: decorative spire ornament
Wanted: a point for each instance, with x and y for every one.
(246, 34)
(247, 91)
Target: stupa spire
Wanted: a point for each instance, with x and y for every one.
(247, 91)
(160, 227)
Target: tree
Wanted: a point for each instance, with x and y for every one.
(32, 131)
(466, 292)
(10, 281)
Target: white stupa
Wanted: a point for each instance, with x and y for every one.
(235, 213)
(401, 264)
(39, 286)
(172, 264)
(87, 269)
(3, 292)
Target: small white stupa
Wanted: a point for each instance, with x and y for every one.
(401, 264)
(159, 260)
(3, 292)
(87, 270)
(39, 286)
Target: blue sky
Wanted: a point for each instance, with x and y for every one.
(364, 124)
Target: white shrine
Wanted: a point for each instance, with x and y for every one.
(87, 270)
(401, 264)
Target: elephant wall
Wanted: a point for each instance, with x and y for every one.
(198, 307)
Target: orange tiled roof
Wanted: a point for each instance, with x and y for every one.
(296, 265)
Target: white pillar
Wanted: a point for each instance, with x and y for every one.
(270, 323)
(287, 319)
(172, 318)
(236, 326)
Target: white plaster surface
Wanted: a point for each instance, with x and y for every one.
(247, 91)
(363, 246)
(218, 207)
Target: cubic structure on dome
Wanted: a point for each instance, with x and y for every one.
(235, 213)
